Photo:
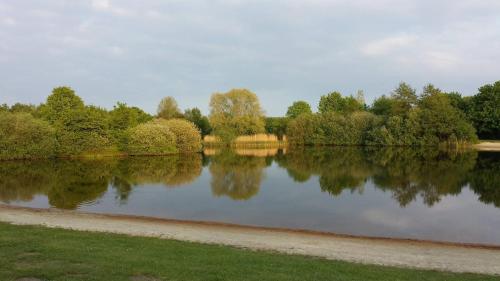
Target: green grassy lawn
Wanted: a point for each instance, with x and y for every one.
(56, 254)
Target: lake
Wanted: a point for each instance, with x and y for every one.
(384, 192)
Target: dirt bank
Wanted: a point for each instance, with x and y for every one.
(425, 255)
(488, 146)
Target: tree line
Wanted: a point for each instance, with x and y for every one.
(65, 126)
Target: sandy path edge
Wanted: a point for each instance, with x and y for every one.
(401, 253)
(487, 146)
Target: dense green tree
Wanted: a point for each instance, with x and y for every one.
(24, 108)
(235, 113)
(441, 122)
(382, 106)
(277, 126)
(405, 98)
(168, 109)
(123, 117)
(60, 104)
(23, 136)
(484, 111)
(458, 102)
(84, 131)
(334, 102)
(194, 115)
(298, 108)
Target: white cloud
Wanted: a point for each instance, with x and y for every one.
(101, 5)
(116, 51)
(388, 44)
(9, 21)
(106, 6)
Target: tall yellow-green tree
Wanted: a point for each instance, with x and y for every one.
(237, 112)
(168, 109)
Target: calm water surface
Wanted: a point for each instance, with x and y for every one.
(406, 193)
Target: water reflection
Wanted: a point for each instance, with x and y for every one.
(236, 176)
(407, 174)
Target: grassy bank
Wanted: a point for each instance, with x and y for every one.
(55, 254)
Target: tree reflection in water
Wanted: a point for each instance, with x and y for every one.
(406, 173)
(71, 183)
(236, 176)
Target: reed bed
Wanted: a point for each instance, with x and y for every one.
(250, 141)
(256, 152)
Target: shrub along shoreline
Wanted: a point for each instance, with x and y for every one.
(64, 126)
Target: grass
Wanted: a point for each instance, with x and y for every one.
(56, 254)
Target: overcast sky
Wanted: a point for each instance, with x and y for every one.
(140, 51)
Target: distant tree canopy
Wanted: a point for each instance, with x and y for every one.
(404, 98)
(298, 108)
(168, 109)
(484, 111)
(62, 103)
(401, 119)
(277, 126)
(335, 102)
(65, 126)
(194, 115)
(235, 113)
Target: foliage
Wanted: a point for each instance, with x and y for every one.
(235, 113)
(83, 131)
(404, 98)
(334, 102)
(23, 136)
(440, 122)
(60, 105)
(194, 115)
(151, 138)
(122, 118)
(330, 128)
(24, 108)
(168, 109)
(277, 126)
(187, 135)
(484, 111)
(298, 108)
(382, 106)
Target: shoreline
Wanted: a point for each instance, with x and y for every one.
(436, 255)
(487, 146)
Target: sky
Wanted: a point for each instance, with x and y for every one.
(283, 50)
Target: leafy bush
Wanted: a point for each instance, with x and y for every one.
(151, 138)
(83, 131)
(23, 136)
(330, 128)
(188, 137)
(277, 126)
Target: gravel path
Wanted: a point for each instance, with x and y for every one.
(402, 253)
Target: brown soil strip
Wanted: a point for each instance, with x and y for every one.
(393, 252)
